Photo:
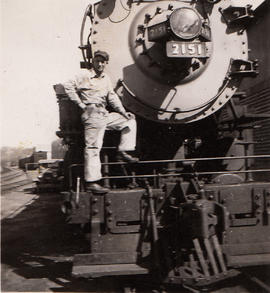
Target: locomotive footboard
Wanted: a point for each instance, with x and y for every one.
(176, 231)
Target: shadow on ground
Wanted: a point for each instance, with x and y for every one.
(37, 247)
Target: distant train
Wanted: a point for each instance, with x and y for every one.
(190, 212)
(31, 162)
(50, 176)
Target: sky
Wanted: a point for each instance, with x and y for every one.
(39, 48)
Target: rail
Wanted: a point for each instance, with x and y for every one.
(12, 179)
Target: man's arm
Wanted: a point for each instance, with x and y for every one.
(71, 90)
(115, 102)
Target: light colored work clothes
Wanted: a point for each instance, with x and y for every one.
(94, 92)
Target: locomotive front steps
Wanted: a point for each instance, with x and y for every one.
(95, 271)
(106, 264)
(249, 260)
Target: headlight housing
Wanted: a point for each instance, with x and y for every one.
(185, 23)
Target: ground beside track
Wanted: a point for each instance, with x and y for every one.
(37, 248)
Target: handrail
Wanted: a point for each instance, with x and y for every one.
(186, 173)
(181, 173)
(185, 160)
(82, 46)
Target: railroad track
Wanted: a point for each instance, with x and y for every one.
(13, 178)
(11, 174)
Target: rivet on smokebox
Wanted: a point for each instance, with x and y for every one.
(158, 10)
(108, 202)
(140, 40)
(141, 27)
(147, 18)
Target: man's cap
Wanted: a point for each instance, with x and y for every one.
(103, 54)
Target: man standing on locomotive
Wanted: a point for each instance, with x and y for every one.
(92, 91)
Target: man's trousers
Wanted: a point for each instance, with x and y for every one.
(94, 133)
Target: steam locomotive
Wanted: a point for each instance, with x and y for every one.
(190, 211)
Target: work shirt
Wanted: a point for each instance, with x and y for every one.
(96, 92)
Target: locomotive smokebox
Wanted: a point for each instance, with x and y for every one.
(176, 59)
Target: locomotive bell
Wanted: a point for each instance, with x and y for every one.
(175, 58)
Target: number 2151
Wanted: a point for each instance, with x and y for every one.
(184, 49)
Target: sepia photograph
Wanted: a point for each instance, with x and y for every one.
(135, 146)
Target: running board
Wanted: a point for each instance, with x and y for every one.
(248, 260)
(96, 271)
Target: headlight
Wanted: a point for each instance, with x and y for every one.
(185, 23)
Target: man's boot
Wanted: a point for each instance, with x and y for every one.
(96, 188)
(125, 157)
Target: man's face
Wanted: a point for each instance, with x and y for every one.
(99, 64)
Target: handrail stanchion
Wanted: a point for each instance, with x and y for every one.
(106, 171)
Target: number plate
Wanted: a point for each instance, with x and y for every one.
(157, 31)
(186, 50)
